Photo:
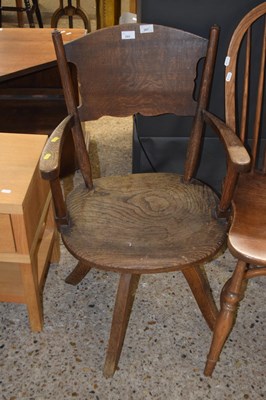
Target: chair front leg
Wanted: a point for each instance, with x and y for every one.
(232, 294)
(127, 287)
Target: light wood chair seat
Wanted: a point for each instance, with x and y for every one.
(145, 223)
(247, 239)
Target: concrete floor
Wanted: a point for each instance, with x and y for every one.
(167, 340)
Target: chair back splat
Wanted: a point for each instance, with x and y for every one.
(140, 223)
(126, 76)
(245, 79)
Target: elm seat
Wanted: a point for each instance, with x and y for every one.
(143, 227)
(146, 223)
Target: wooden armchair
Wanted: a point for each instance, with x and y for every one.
(140, 223)
(247, 235)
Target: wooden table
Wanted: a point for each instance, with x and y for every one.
(28, 237)
(23, 51)
(29, 78)
(31, 97)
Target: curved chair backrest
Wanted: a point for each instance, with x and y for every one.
(247, 51)
(125, 70)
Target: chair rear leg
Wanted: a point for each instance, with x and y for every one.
(123, 305)
(200, 287)
(29, 13)
(38, 13)
(231, 295)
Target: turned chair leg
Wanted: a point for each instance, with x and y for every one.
(231, 295)
(123, 305)
(38, 13)
(20, 13)
(200, 287)
(78, 273)
(29, 13)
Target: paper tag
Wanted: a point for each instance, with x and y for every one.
(146, 28)
(228, 77)
(6, 191)
(227, 61)
(125, 35)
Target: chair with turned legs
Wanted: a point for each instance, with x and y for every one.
(247, 235)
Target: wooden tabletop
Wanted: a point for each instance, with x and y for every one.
(19, 158)
(26, 50)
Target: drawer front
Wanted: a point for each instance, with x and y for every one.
(7, 243)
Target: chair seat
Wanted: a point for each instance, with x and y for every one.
(247, 239)
(144, 222)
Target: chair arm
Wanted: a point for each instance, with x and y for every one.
(50, 168)
(51, 155)
(236, 151)
(238, 159)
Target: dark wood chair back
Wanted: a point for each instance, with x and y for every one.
(134, 68)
